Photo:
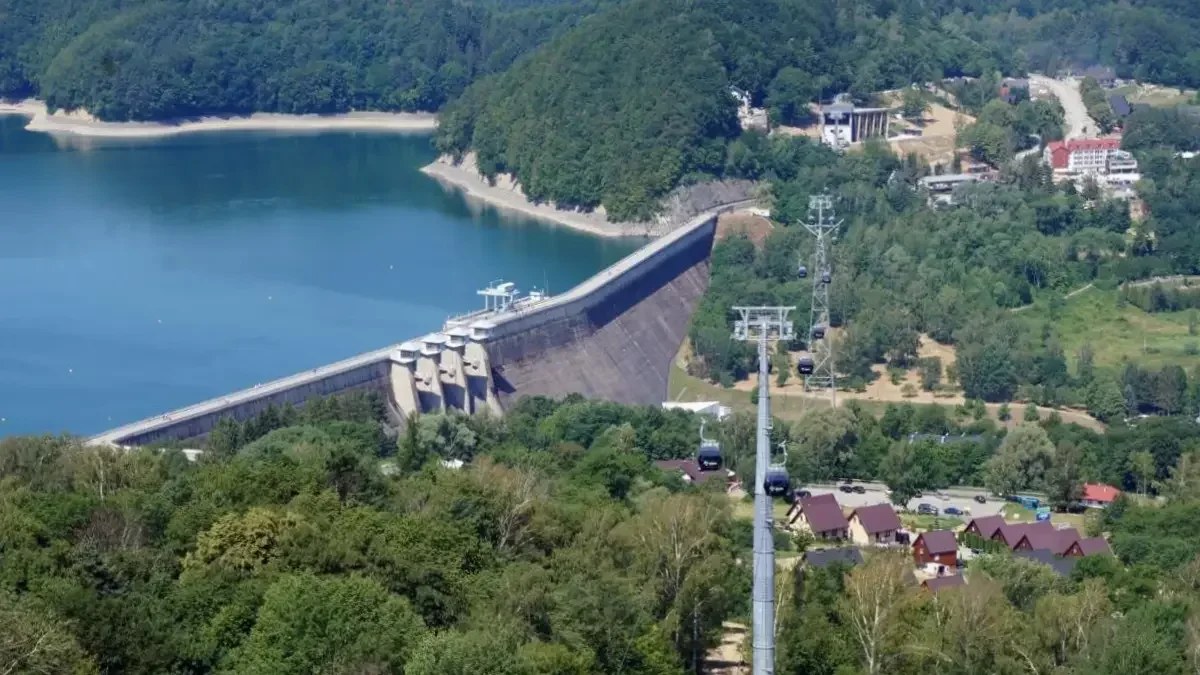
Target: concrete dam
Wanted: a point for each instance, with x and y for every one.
(612, 337)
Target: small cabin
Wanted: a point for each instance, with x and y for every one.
(407, 353)
(432, 345)
(456, 337)
(482, 330)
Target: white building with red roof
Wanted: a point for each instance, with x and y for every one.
(1098, 495)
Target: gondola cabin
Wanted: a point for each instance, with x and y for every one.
(802, 272)
(805, 365)
(776, 483)
(826, 277)
(709, 456)
(818, 332)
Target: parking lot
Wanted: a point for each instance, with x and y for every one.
(876, 493)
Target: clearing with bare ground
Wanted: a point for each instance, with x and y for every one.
(755, 227)
(882, 390)
(726, 658)
(938, 139)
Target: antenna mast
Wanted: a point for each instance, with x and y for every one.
(761, 324)
(824, 366)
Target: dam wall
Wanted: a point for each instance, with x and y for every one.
(370, 371)
(611, 337)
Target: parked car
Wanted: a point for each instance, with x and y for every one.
(981, 499)
(801, 494)
(846, 488)
(919, 494)
(952, 511)
(927, 509)
(859, 490)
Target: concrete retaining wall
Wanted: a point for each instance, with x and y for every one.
(614, 336)
(611, 337)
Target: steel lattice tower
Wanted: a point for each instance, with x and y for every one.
(762, 324)
(823, 228)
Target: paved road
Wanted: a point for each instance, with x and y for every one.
(876, 493)
(1079, 125)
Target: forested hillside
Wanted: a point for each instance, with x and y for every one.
(176, 58)
(312, 542)
(621, 110)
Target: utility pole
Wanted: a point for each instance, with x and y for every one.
(763, 324)
(823, 228)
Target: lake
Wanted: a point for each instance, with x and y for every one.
(141, 276)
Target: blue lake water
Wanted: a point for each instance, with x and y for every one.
(140, 276)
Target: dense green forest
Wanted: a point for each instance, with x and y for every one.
(626, 107)
(160, 59)
(314, 541)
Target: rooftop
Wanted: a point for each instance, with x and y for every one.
(1099, 492)
(1061, 566)
(877, 518)
(825, 557)
(823, 513)
(938, 541)
(940, 583)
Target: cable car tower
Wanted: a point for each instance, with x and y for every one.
(822, 365)
(762, 324)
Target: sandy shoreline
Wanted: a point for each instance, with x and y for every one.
(507, 194)
(80, 123)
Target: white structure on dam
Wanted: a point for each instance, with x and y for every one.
(611, 337)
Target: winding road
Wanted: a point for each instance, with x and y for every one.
(1079, 125)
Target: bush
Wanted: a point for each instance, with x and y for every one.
(930, 370)
(908, 390)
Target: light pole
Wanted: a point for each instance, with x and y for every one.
(762, 324)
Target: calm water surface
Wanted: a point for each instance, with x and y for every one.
(140, 276)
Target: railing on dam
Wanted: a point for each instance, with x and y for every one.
(254, 393)
(186, 422)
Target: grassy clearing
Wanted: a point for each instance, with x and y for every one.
(1156, 96)
(923, 523)
(743, 508)
(684, 387)
(1118, 332)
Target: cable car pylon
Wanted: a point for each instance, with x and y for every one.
(818, 365)
(761, 325)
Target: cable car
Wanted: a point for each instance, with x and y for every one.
(777, 482)
(802, 272)
(709, 456)
(806, 365)
(826, 277)
(818, 332)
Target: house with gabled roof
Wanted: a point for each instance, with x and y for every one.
(874, 525)
(824, 557)
(1058, 542)
(1098, 495)
(1010, 534)
(821, 515)
(984, 526)
(936, 547)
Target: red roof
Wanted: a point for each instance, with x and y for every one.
(1099, 492)
(877, 518)
(1094, 545)
(823, 513)
(938, 541)
(1107, 143)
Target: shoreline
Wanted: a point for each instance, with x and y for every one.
(507, 195)
(80, 123)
